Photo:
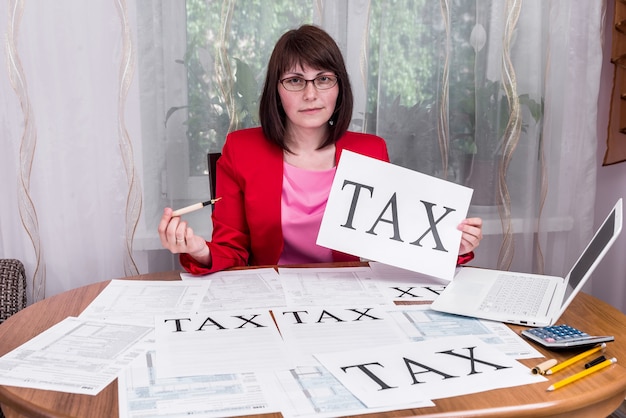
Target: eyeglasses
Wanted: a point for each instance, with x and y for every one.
(321, 82)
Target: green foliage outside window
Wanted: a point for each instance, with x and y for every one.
(225, 61)
(228, 49)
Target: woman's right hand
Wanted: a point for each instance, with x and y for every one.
(178, 237)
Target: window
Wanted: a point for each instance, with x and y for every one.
(431, 77)
(207, 60)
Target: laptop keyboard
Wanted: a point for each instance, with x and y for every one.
(517, 295)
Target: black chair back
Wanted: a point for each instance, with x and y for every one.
(212, 158)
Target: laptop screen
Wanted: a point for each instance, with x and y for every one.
(591, 254)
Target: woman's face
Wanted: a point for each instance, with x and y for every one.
(310, 108)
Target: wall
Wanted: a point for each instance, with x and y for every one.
(609, 280)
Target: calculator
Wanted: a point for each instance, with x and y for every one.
(559, 337)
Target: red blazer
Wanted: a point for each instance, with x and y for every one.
(247, 221)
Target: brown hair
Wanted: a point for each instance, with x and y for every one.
(306, 46)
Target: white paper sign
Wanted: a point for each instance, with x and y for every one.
(435, 369)
(387, 213)
(217, 342)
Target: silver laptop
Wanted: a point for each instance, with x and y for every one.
(526, 299)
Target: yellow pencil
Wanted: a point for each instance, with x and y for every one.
(582, 374)
(574, 359)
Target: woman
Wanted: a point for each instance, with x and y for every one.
(274, 181)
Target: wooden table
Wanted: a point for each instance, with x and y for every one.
(597, 395)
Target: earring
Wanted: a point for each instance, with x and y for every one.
(331, 122)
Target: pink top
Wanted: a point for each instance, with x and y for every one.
(304, 197)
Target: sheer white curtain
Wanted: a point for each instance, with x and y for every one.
(89, 161)
(69, 179)
(550, 51)
(511, 113)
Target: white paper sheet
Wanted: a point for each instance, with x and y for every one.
(314, 392)
(420, 323)
(401, 285)
(75, 356)
(387, 213)
(141, 394)
(315, 329)
(254, 288)
(215, 342)
(137, 301)
(440, 368)
(329, 286)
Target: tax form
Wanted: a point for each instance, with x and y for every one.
(75, 356)
(420, 323)
(137, 301)
(142, 394)
(252, 288)
(329, 286)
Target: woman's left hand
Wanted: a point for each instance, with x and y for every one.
(472, 229)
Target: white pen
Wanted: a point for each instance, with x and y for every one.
(194, 207)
